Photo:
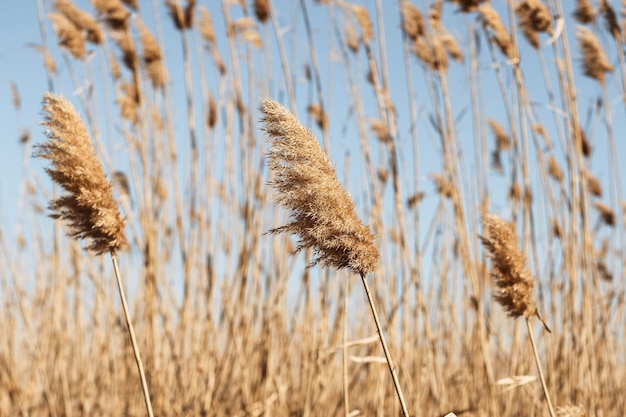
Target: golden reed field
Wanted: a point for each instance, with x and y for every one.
(319, 208)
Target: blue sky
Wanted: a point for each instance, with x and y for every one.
(22, 64)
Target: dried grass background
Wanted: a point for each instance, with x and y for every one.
(433, 115)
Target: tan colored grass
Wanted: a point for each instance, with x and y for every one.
(182, 17)
(584, 12)
(81, 20)
(467, 6)
(15, 96)
(570, 411)
(206, 26)
(606, 213)
(322, 213)
(610, 19)
(87, 206)
(594, 185)
(413, 23)
(452, 47)
(352, 41)
(503, 142)
(500, 35)
(69, 36)
(317, 113)
(152, 56)
(211, 118)
(516, 284)
(534, 17)
(365, 24)
(554, 170)
(113, 12)
(595, 61)
(262, 10)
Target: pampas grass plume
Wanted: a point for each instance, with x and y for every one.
(88, 205)
(322, 213)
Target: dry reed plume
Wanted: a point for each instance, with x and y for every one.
(500, 35)
(322, 213)
(81, 19)
(595, 61)
(516, 283)
(509, 271)
(68, 34)
(88, 207)
(584, 12)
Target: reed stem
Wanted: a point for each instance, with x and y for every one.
(133, 340)
(541, 377)
(383, 342)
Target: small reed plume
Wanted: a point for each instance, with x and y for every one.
(363, 19)
(412, 21)
(88, 207)
(584, 12)
(69, 36)
(262, 10)
(500, 36)
(534, 17)
(322, 213)
(81, 20)
(595, 61)
(516, 283)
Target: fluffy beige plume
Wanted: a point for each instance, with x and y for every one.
(68, 34)
(595, 61)
(412, 20)
(322, 213)
(363, 19)
(81, 20)
(262, 10)
(516, 283)
(534, 17)
(113, 13)
(87, 206)
(152, 57)
(584, 12)
(501, 37)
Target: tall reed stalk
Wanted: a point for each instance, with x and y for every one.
(87, 207)
(322, 213)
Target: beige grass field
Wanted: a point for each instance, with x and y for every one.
(462, 160)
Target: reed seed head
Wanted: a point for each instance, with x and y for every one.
(514, 281)
(68, 34)
(262, 10)
(584, 12)
(412, 21)
(500, 36)
(595, 61)
(81, 20)
(206, 26)
(363, 19)
(87, 205)
(503, 142)
(321, 212)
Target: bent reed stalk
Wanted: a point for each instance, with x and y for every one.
(321, 212)
(88, 207)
